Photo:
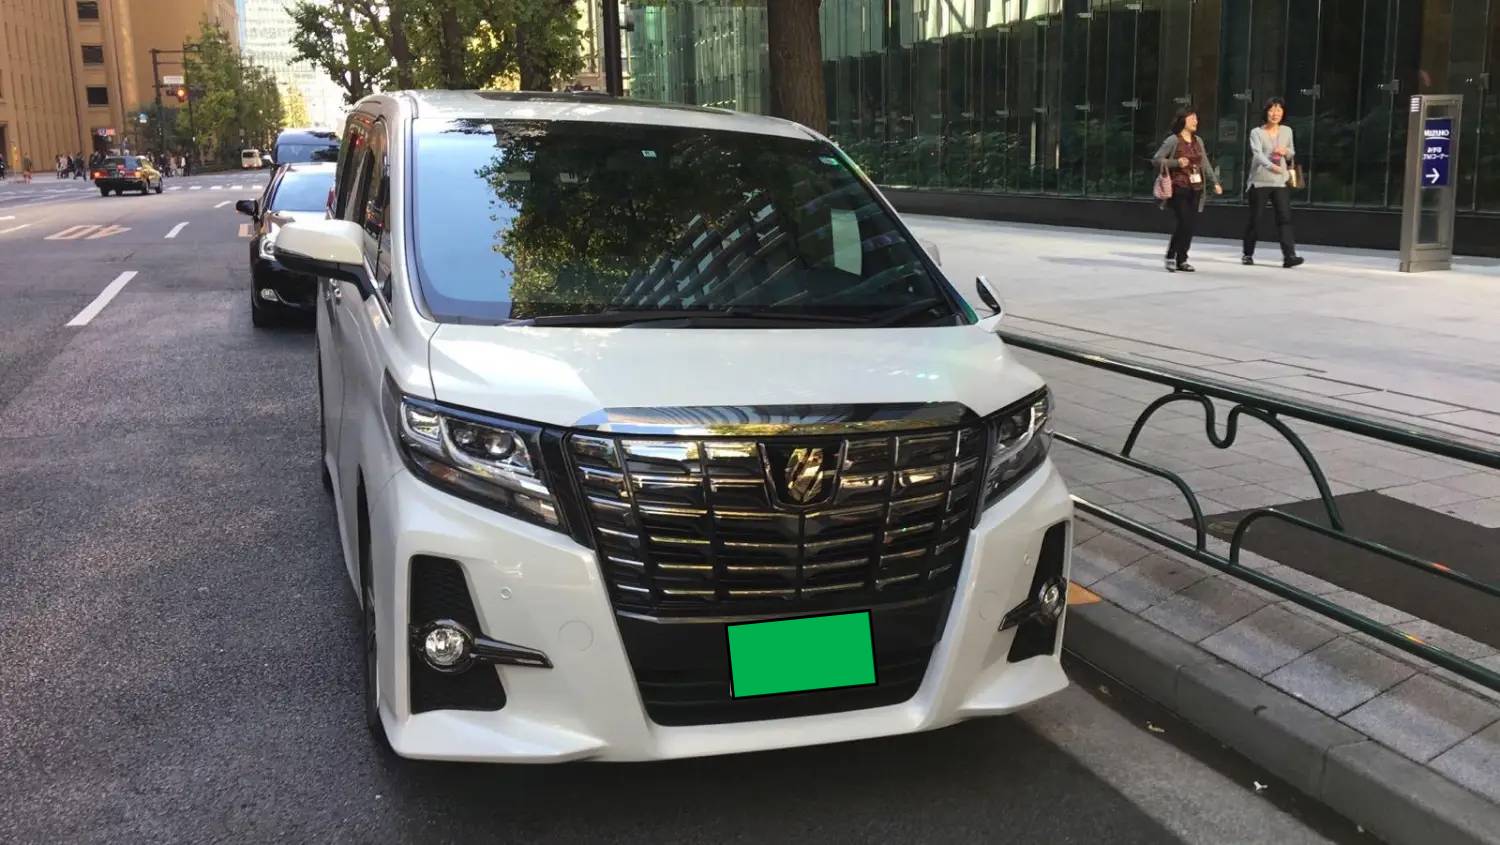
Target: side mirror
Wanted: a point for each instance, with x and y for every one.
(250, 207)
(991, 298)
(331, 249)
(932, 250)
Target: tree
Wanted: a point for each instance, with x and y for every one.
(365, 45)
(235, 103)
(796, 62)
(296, 107)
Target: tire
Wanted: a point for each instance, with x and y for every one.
(370, 643)
(103, 192)
(145, 188)
(322, 428)
(119, 192)
(158, 187)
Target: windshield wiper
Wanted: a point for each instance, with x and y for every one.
(695, 315)
(902, 313)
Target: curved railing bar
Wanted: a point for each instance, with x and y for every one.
(1199, 526)
(1231, 431)
(1430, 567)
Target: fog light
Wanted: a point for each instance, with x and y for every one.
(447, 646)
(269, 294)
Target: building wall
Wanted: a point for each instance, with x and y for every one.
(268, 34)
(1069, 98)
(165, 25)
(38, 115)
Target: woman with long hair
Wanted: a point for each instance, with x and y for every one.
(1183, 156)
(1271, 153)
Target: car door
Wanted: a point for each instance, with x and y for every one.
(330, 361)
(364, 324)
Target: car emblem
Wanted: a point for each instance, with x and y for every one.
(804, 474)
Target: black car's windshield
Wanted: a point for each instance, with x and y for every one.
(302, 191)
(520, 220)
(291, 152)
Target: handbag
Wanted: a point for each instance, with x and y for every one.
(1162, 190)
(1294, 176)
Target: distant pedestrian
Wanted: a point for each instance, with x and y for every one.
(1271, 177)
(3, 165)
(1183, 157)
(25, 167)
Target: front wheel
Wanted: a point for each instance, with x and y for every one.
(158, 187)
(103, 192)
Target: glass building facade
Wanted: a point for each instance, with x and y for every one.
(1071, 97)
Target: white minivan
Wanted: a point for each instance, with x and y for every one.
(653, 432)
(251, 160)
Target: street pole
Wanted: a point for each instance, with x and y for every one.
(614, 75)
(161, 124)
(188, 85)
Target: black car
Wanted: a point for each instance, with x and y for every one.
(305, 145)
(295, 191)
(126, 173)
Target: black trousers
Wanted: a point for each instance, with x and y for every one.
(1281, 202)
(1184, 205)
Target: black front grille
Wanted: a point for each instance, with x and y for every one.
(742, 526)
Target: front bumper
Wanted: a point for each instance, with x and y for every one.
(540, 589)
(276, 286)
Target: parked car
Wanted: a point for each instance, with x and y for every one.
(126, 172)
(296, 191)
(250, 160)
(653, 432)
(298, 145)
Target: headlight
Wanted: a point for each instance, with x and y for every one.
(268, 245)
(492, 462)
(1019, 439)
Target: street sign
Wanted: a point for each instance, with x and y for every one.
(1437, 143)
(172, 79)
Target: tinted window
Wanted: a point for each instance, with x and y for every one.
(294, 152)
(521, 219)
(122, 161)
(301, 191)
(93, 54)
(98, 95)
(88, 10)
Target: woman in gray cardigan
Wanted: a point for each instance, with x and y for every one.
(1183, 156)
(1271, 154)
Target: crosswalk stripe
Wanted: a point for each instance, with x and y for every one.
(14, 228)
(216, 187)
(196, 188)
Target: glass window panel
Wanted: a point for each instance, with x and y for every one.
(1337, 123)
(1073, 79)
(1487, 148)
(1237, 34)
(1379, 109)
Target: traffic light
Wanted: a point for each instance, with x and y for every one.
(182, 93)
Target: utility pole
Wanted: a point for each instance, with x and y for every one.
(614, 71)
(161, 122)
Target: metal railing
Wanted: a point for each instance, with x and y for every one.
(1270, 409)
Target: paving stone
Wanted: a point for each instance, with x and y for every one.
(1207, 480)
(1485, 512)
(1491, 663)
(1366, 606)
(1249, 496)
(1301, 489)
(1316, 385)
(1400, 403)
(1102, 470)
(1440, 637)
(1137, 489)
(1259, 370)
(1428, 495)
(1422, 717)
(1267, 639)
(1429, 468)
(1301, 580)
(1340, 676)
(1259, 472)
(1475, 762)
(1482, 420)
(1309, 613)
(1112, 550)
(1481, 484)
(1148, 581)
(1364, 476)
(1205, 608)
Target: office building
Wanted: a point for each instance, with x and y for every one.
(1049, 110)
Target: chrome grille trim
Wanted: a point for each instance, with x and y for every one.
(691, 526)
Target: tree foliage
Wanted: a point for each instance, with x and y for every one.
(235, 103)
(369, 45)
(296, 108)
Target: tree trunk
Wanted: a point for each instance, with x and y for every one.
(452, 59)
(796, 62)
(400, 48)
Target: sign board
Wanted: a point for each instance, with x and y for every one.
(172, 79)
(105, 133)
(1437, 144)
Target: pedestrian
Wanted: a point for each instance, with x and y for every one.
(25, 168)
(1183, 157)
(1271, 177)
(3, 165)
(79, 170)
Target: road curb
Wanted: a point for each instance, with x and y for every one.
(1397, 799)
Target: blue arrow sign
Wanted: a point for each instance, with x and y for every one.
(1437, 142)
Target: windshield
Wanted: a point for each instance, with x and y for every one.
(302, 191)
(520, 220)
(292, 153)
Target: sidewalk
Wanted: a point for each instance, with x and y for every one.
(1345, 327)
(1410, 751)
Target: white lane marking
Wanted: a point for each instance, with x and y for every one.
(8, 217)
(109, 292)
(196, 188)
(216, 187)
(108, 230)
(224, 203)
(175, 188)
(72, 233)
(236, 187)
(14, 228)
(175, 229)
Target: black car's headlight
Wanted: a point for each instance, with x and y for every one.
(490, 461)
(1019, 438)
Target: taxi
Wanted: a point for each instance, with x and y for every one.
(122, 173)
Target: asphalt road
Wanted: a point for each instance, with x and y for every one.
(178, 642)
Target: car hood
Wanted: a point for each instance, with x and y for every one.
(578, 376)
